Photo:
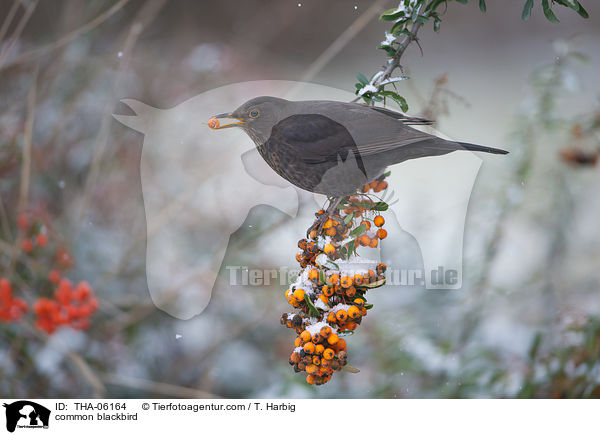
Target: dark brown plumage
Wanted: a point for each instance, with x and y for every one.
(331, 147)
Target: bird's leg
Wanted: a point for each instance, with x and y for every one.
(320, 221)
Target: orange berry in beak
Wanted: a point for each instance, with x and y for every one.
(213, 123)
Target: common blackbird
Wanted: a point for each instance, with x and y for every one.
(331, 147)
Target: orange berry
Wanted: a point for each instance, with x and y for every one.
(325, 331)
(324, 298)
(316, 339)
(367, 224)
(295, 357)
(358, 279)
(358, 301)
(298, 342)
(333, 339)
(328, 224)
(341, 315)
(27, 246)
(298, 257)
(319, 349)
(42, 240)
(346, 281)
(331, 317)
(335, 278)
(310, 379)
(330, 232)
(313, 274)
(364, 240)
(213, 123)
(351, 326)
(309, 347)
(379, 221)
(381, 185)
(340, 345)
(305, 336)
(22, 222)
(373, 243)
(311, 369)
(316, 360)
(354, 312)
(350, 291)
(329, 249)
(299, 295)
(54, 276)
(381, 233)
(328, 353)
(327, 291)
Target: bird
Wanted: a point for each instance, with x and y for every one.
(331, 147)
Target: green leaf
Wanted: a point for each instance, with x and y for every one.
(313, 310)
(464, 2)
(380, 206)
(387, 174)
(350, 369)
(527, 10)
(397, 98)
(371, 285)
(324, 278)
(362, 79)
(391, 15)
(368, 306)
(436, 24)
(580, 10)
(548, 12)
(348, 218)
(358, 230)
(398, 28)
(482, 5)
(535, 345)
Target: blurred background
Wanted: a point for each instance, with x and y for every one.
(523, 325)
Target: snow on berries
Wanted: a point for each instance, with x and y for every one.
(330, 291)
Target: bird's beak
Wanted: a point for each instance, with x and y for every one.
(216, 125)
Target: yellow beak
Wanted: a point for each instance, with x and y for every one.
(216, 125)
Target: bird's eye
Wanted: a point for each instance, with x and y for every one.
(253, 113)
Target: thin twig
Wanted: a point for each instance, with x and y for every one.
(162, 388)
(343, 40)
(17, 33)
(9, 17)
(88, 374)
(68, 37)
(144, 17)
(5, 221)
(394, 62)
(26, 163)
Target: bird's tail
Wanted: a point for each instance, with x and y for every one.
(484, 149)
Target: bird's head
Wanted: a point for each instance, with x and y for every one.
(256, 117)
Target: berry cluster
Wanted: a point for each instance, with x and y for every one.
(71, 306)
(68, 305)
(11, 309)
(330, 292)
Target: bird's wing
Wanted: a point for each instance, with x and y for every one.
(377, 133)
(315, 138)
(406, 120)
